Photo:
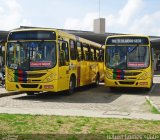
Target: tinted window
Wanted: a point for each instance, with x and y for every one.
(73, 50)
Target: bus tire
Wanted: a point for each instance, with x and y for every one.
(97, 80)
(30, 93)
(72, 85)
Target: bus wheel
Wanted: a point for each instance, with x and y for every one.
(72, 85)
(30, 93)
(97, 80)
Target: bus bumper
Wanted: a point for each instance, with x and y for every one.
(37, 87)
(128, 83)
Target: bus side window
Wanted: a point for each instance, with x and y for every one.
(152, 54)
(79, 54)
(92, 55)
(98, 56)
(95, 55)
(86, 53)
(101, 56)
(87, 58)
(83, 52)
(63, 54)
(79, 51)
(73, 50)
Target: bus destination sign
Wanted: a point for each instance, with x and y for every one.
(125, 40)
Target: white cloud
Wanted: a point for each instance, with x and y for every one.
(129, 10)
(121, 19)
(148, 24)
(81, 24)
(126, 20)
(125, 16)
(11, 15)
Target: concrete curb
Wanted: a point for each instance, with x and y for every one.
(9, 94)
(152, 103)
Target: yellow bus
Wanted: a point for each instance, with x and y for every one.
(40, 59)
(128, 62)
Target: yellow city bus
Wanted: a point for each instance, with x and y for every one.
(51, 60)
(128, 62)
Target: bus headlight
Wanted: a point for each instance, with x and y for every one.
(10, 78)
(109, 75)
(49, 78)
(145, 76)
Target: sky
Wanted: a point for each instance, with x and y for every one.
(122, 16)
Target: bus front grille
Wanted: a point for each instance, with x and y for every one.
(30, 75)
(35, 75)
(29, 85)
(132, 73)
(126, 83)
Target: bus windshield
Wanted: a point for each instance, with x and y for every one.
(34, 55)
(127, 57)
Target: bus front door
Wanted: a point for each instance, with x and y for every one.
(63, 58)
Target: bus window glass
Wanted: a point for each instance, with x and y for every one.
(31, 55)
(116, 57)
(92, 55)
(127, 57)
(95, 55)
(137, 57)
(73, 50)
(63, 53)
(66, 51)
(100, 55)
(86, 52)
(79, 51)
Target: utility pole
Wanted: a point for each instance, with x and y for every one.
(99, 24)
(99, 8)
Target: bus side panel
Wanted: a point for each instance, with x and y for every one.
(84, 73)
(101, 70)
(93, 71)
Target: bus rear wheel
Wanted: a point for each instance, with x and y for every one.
(72, 85)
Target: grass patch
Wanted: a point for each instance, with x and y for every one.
(72, 128)
(153, 109)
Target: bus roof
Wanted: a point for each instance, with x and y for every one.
(74, 37)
